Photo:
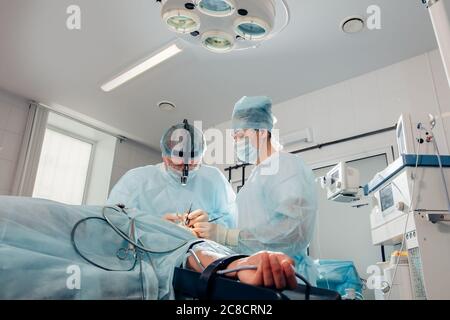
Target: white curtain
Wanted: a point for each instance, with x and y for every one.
(31, 150)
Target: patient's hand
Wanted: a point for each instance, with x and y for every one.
(274, 270)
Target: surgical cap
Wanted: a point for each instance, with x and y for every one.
(177, 140)
(253, 113)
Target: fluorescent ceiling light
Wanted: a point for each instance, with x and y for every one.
(149, 63)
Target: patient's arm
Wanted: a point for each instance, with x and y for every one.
(274, 269)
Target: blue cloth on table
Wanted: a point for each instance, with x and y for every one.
(338, 275)
(38, 260)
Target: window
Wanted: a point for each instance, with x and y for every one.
(64, 167)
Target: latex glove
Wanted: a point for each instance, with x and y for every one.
(274, 270)
(196, 217)
(217, 233)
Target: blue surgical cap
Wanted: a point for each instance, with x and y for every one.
(177, 140)
(253, 113)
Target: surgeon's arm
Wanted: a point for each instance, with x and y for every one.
(290, 227)
(273, 269)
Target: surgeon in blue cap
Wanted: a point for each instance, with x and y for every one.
(180, 189)
(277, 205)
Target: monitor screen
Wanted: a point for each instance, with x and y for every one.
(386, 198)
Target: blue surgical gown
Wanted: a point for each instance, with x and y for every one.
(153, 190)
(277, 210)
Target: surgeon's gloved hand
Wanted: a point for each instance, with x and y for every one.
(217, 233)
(274, 270)
(195, 217)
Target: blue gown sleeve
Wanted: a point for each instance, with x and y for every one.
(126, 190)
(224, 202)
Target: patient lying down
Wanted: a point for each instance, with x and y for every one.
(55, 251)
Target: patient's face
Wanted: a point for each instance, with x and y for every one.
(177, 163)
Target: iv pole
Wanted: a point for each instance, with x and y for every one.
(440, 12)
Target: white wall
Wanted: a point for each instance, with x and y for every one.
(371, 102)
(367, 103)
(13, 119)
(130, 155)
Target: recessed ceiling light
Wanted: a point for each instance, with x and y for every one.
(140, 68)
(166, 106)
(352, 25)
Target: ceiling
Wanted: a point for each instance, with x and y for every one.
(41, 59)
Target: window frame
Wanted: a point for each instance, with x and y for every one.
(93, 144)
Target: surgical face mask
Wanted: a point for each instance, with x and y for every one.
(246, 152)
(176, 174)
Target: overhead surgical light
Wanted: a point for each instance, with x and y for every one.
(218, 41)
(217, 25)
(252, 28)
(216, 8)
(182, 20)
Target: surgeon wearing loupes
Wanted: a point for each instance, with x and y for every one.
(180, 189)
